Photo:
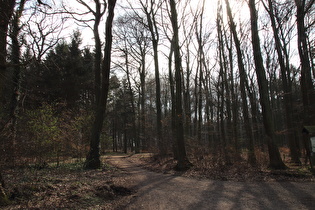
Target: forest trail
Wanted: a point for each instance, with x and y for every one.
(162, 191)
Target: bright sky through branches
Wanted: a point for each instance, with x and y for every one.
(185, 9)
(239, 8)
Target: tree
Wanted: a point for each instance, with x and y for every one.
(308, 91)
(285, 77)
(133, 29)
(123, 44)
(188, 37)
(6, 12)
(201, 57)
(243, 81)
(307, 86)
(222, 89)
(274, 154)
(126, 66)
(150, 10)
(65, 74)
(182, 160)
(97, 12)
(173, 100)
(43, 30)
(16, 80)
(93, 158)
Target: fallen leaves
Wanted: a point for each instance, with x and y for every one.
(209, 169)
(67, 186)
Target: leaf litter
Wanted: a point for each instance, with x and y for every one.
(71, 187)
(209, 169)
(67, 186)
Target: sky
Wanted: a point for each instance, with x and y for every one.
(239, 8)
(210, 14)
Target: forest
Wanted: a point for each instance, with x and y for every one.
(201, 83)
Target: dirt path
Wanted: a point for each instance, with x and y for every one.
(162, 191)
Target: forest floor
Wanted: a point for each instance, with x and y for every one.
(68, 186)
(132, 182)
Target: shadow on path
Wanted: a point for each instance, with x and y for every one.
(162, 191)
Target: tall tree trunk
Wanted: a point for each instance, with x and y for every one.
(308, 91)
(98, 12)
(93, 158)
(243, 78)
(183, 162)
(155, 40)
(125, 141)
(195, 119)
(210, 113)
(221, 119)
(311, 50)
(6, 11)
(286, 80)
(132, 101)
(222, 87)
(307, 86)
(98, 52)
(200, 112)
(226, 80)
(187, 98)
(217, 141)
(200, 64)
(142, 104)
(173, 100)
(161, 143)
(274, 154)
(15, 58)
(114, 135)
(234, 103)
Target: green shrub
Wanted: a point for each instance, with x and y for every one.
(43, 127)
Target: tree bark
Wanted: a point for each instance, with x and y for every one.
(187, 97)
(150, 14)
(222, 87)
(182, 161)
(243, 78)
(15, 59)
(173, 100)
(234, 104)
(6, 12)
(134, 127)
(142, 102)
(274, 154)
(200, 57)
(307, 86)
(93, 158)
(286, 80)
(98, 52)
